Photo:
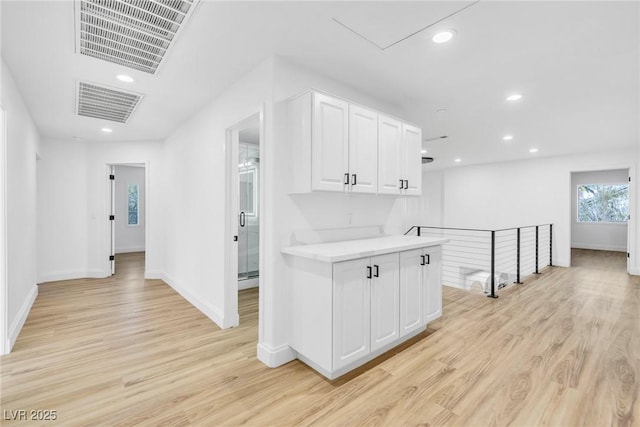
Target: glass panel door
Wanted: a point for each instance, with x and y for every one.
(248, 221)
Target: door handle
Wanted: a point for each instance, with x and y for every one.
(353, 179)
(422, 260)
(401, 184)
(368, 272)
(377, 273)
(346, 179)
(242, 219)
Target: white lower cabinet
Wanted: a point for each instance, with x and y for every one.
(347, 313)
(351, 311)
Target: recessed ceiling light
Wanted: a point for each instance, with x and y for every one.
(457, 160)
(106, 130)
(443, 36)
(424, 151)
(533, 150)
(125, 78)
(507, 137)
(514, 97)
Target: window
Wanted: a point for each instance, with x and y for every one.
(133, 198)
(603, 202)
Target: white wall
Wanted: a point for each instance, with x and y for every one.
(129, 238)
(525, 192)
(195, 184)
(73, 202)
(20, 173)
(599, 236)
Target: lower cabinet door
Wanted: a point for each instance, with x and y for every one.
(385, 295)
(433, 280)
(351, 311)
(412, 291)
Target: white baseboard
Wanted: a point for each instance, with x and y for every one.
(153, 275)
(130, 249)
(23, 313)
(597, 247)
(274, 357)
(71, 275)
(207, 309)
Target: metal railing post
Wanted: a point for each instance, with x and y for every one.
(537, 250)
(493, 265)
(518, 258)
(550, 245)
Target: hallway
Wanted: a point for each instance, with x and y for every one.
(561, 349)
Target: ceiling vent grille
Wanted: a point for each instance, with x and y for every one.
(106, 103)
(132, 33)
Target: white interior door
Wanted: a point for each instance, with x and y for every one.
(112, 222)
(4, 324)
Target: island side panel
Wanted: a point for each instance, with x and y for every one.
(312, 312)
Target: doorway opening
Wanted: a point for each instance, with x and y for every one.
(244, 145)
(127, 219)
(600, 212)
(249, 205)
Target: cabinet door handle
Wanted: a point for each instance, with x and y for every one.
(377, 273)
(368, 272)
(242, 219)
(346, 179)
(406, 184)
(401, 184)
(422, 260)
(353, 179)
(428, 259)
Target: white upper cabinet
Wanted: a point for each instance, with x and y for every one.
(389, 155)
(363, 150)
(343, 147)
(330, 144)
(412, 160)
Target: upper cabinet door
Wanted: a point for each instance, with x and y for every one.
(363, 150)
(389, 155)
(329, 143)
(412, 159)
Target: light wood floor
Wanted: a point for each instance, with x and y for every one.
(563, 350)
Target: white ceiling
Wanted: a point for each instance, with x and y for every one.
(577, 64)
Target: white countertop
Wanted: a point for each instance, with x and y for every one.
(362, 248)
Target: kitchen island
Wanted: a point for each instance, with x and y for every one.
(354, 300)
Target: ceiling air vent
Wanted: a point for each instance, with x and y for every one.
(106, 103)
(132, 33)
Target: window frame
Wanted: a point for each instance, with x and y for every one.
(137, 224)
(577, 204)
